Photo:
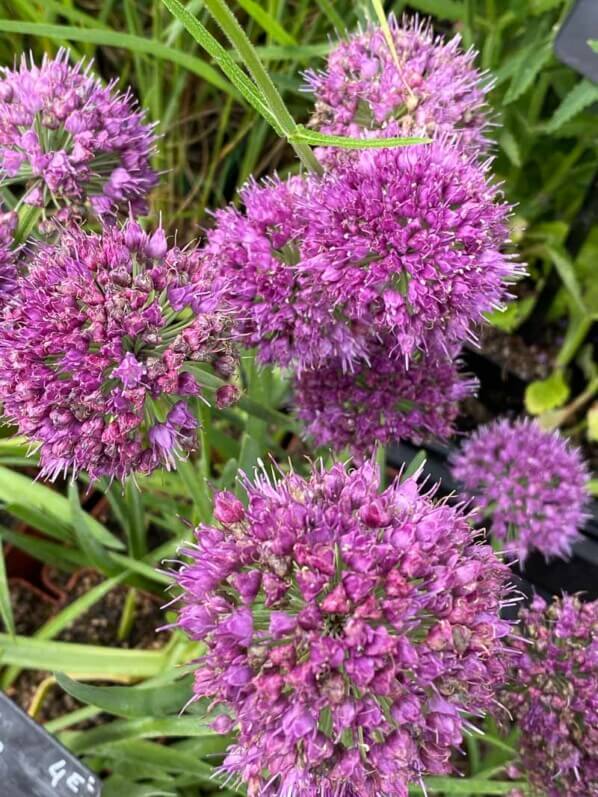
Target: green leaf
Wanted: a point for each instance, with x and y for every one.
(5, 604)
(95, 553)
(42, 521)
(510, 146)
(581, 96)
(208, 742)
(117, 786)
(513, 315)
(168, 758)
(468, 786)
(542, 6)
(132, 702)
(546, 394)
(50, 553)
(416, 463)
(41, 498)
(347, 142)
(213, 47)
(84, 661)
(101, 36)
(592, 418)
(563, 264)
(333, 16)
(267, 22)
(64, 618)
(529, 69)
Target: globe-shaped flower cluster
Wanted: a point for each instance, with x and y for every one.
(428, 86)
(381, 401)
(100, 348)
(69, 141)
(529, 482)
(254, 257)
(400, 243)
(553, 699)
(347, 632)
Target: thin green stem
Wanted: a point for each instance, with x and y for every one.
(238, 38)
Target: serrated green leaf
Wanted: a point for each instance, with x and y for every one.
(546, 394)
(529, 69)
(566, 270)
(317, 139)
(510, 146)
(581, 96)
(467, 787)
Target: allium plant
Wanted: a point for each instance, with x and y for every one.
(431, 87)
(531, 482)
(69, 140)
(99, 351)
(347, 632)
(399, 243)
(553, 698)
(381, 401)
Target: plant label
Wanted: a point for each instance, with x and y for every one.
(572, 46)
(34, 764)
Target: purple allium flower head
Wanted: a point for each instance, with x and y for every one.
(529, 481)
(407, 242)
(381, 400)
(401, 243)
(254, 256)
(71, 140)
(553, 698)
(346, 632)
(8, 254)
(435, 90)
(99, 350)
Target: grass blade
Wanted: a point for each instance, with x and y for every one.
(5, 604)
(267, 22)
(84, 661)
(276, 106)
(136, 44)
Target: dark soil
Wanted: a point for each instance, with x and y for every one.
(30, 608)
(98, 626)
